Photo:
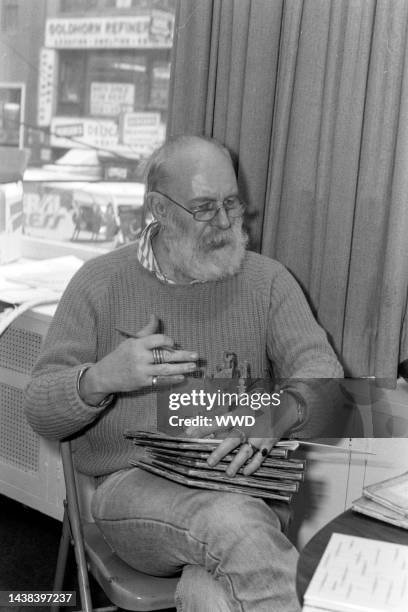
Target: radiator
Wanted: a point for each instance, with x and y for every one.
(30, 467)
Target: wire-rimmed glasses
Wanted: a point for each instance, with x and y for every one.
(208, 209)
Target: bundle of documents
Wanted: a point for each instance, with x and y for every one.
(386, 501)
(184, 460)
(359, 575)
(32, 283)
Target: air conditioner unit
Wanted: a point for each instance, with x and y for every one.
(30, 466)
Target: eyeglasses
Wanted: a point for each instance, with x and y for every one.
(208, 209)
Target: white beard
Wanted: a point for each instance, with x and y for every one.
(218, 254)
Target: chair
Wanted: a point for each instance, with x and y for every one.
(125, 587)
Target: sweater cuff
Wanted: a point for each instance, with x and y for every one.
(79, 408)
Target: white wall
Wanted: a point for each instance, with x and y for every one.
(335, 479)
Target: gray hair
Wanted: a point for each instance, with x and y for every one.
(156, 170)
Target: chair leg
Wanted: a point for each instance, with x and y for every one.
(62, 557)
(82, 568)
(84, 590)
(71, 532)
(75, 528)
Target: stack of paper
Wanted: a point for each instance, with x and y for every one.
(359, 575)
(184, 460)
(45, 274)
(386, 500)
(31, 283)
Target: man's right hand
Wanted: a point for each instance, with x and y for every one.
(131, 367)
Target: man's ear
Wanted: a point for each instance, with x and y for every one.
(156, 205)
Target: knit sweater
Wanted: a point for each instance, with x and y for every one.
(260, 314)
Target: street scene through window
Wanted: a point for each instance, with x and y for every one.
(84, 89)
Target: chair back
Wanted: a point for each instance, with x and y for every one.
(125, 587)
(80, 488)
(86, 488)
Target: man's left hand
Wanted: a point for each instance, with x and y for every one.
(252, 449)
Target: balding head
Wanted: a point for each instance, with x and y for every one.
(186, 174)
(178, 154)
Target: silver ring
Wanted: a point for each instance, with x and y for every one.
(158, 356)
(154, 381)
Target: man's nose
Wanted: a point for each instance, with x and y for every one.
(221, 218)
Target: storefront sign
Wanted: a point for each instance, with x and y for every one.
(126, 32)
(90, 213)
(162, 23)
(142, 129)
(111, 98)
(101, 133)
(69, 130)
(46, 86)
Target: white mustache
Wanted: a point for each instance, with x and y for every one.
(220, 239)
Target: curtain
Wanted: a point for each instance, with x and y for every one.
(312, 97)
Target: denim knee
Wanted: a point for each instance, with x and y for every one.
(236, 514)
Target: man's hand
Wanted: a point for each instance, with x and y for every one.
(254, 449)
(131, 365)
(275, 421)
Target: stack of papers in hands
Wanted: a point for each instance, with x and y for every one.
(359, 575)
(184, 460)
(386, 500)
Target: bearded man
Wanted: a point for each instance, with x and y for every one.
(191, 272)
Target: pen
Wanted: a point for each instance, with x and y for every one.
(170, 349)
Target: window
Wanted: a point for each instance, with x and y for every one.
(117, 82)
(97, 107)
(71, 88)
(9, 15)
(11, 114)
(108, 83)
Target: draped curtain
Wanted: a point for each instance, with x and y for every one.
(312, 97)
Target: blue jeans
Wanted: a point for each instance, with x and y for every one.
(229, 547)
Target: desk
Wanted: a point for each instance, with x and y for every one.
(349, 523)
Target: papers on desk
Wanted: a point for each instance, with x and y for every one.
(26, 285)
(367, 506)
(45, 275)
(359, 575)
(386, 501)
(391, 493)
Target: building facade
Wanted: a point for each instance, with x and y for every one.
(103, 80)
(21, 37)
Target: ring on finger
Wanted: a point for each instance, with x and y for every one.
(158, 356)
(154, 381)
